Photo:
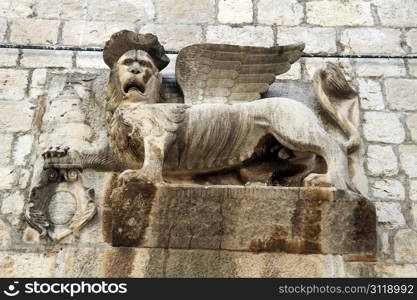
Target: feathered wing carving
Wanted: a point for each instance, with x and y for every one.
(225, 73)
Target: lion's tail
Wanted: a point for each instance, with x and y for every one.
(330, 83)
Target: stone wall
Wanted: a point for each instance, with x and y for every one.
(38, 88)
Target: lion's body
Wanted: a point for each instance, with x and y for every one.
(211, 137)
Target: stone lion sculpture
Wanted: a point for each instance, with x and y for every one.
(151, 141)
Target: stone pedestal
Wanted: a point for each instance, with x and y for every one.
(237, 218)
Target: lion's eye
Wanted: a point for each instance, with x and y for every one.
(128, 61)
(144, 63)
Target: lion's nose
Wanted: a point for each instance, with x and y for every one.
(135, 68)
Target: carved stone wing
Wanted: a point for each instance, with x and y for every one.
(225, 73)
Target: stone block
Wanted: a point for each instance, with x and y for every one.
(383, 127)
(185, 12)
(16, 9)
(413, 190)
(286, 12)
(3, 29)
(408, 158)
(258, 219)
(381, 161)
(316, 39)
(46, 59)
(8, 57)
(185, 35)
(235, 11)
(5, 237)
(22, 149)
(13, 84)
(395, 270)
(412, 40)
(389, 214)
(16, 116)
(60, 9)
(380, 67)
(405, 245)
(370, 94)
(397, 14)
(388, 189)
(339, 13)
(91, 33)
(34, 31)
(411, 122)
(371, 40)
(13, 204)
(401, 93)
(37, 86)
(244, 36)
(13, 264)
(126, 10)
(90, 60)
(192, 263)
(5, 148)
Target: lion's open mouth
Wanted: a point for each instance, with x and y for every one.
(135, 86)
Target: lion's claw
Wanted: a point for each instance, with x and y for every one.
(134, 176)
(55, 152)
(61, 158)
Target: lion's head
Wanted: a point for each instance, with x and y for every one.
(135, 61)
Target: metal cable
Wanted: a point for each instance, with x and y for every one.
(98, 49)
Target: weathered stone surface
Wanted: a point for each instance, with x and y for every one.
(395, 270)
(389, 214)
(129, 10)
(244, 36)
(411, 122)
(7, 176)
(5, 238)
(383, 127)
(185, 35)
(8, 57)
(202, 11)
(91, 33)
(412, 40)
(401, 93)
(395, 14)
(90, 60)
(404, 246)
(339, 13)
(13, 84)
(5, 149)
(3, 28)
(235, 11)
(13, 8)
(408, 158)
(293, 220)
(22, 148)
(10, 110)
(381, 161)
(154, 262)
(287, 12)
(65, 9)
(371, 40)
(316, 39)
(38, 59)
(31, 236)
(34, 31)
(13, 204)
(14, 264)
(380, 67)
(370, 94)
(413, 190)
(293, 74)
(388, 189)
(359, 269)
(37, 86)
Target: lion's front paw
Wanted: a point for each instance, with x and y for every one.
(136, 176)
(317, 180)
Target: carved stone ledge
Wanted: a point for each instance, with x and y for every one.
(257, 219)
